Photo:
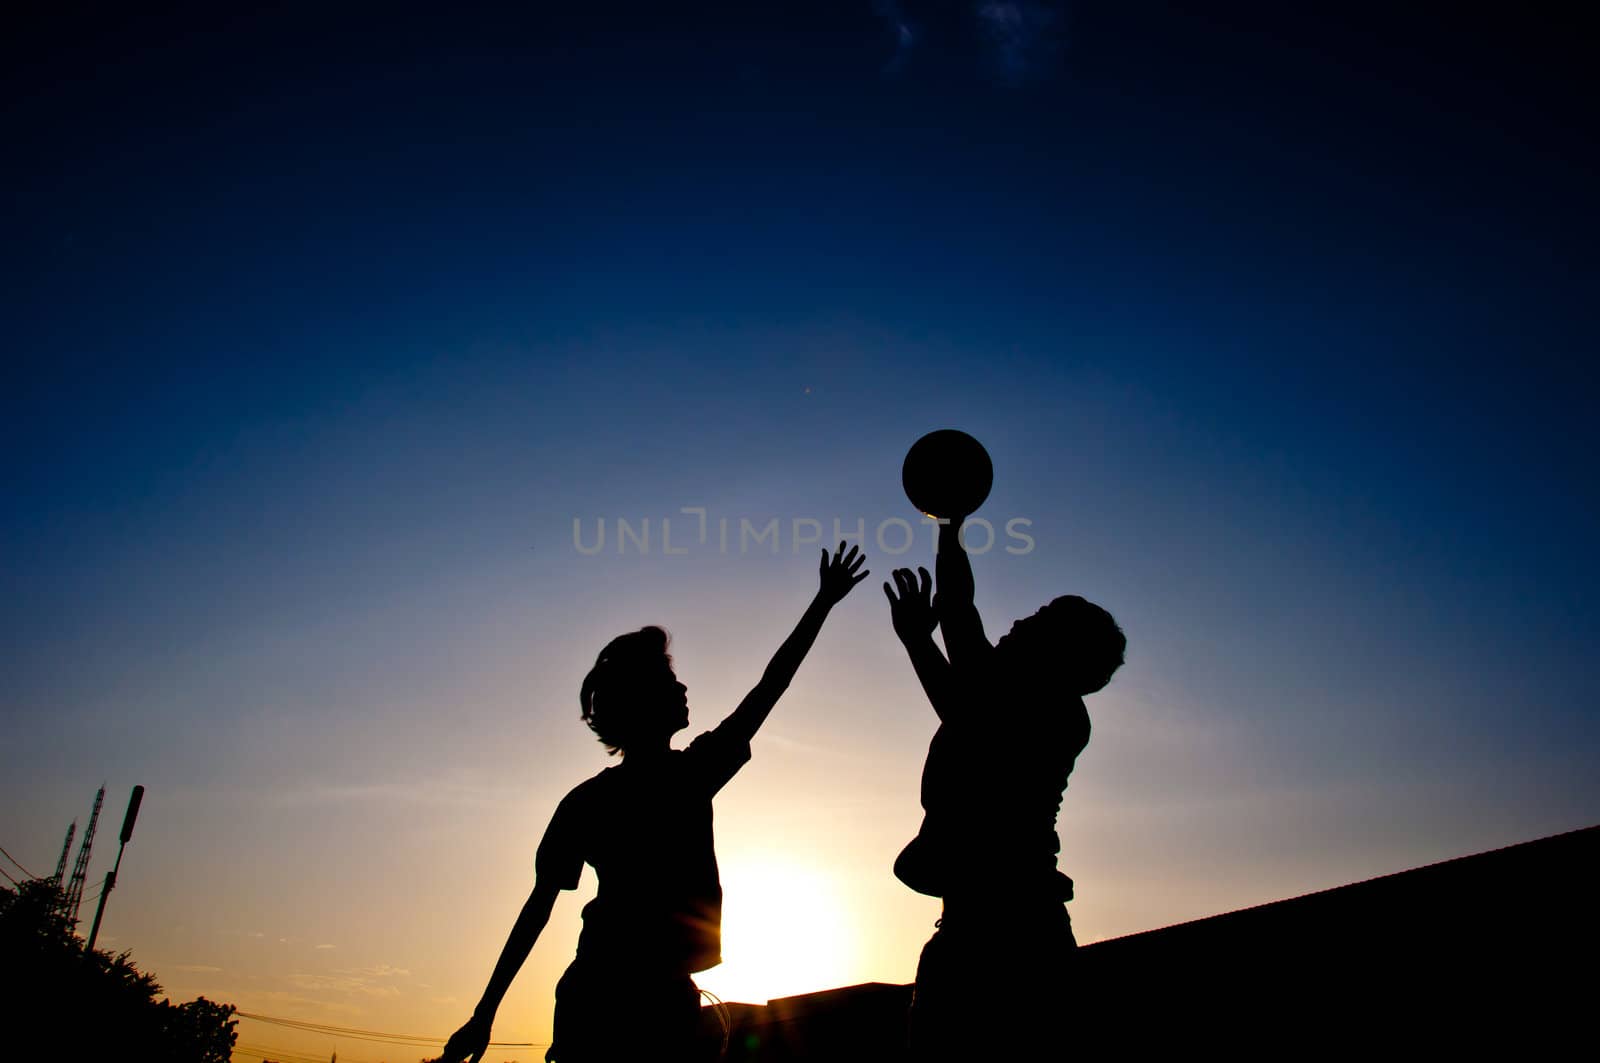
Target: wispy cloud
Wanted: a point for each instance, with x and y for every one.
(1021, 40)
(1024, 37)
(274, 999)
(196, 968)
(797, 745)
(341, 983)
(435, 792)
(905, 35)
(378, 970)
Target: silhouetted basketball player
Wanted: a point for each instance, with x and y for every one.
(1011, 725)
(645, 827)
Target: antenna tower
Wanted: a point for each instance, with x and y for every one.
(80, 870)
(66, 851)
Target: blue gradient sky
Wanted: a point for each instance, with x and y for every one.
(321, 332)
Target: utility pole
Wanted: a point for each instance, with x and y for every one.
(80, 870)
(111, 876)
(66, 851)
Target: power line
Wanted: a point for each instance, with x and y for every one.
(379, 1036)
(9, 879)
(374, 1036)
(287, 1055)
(279, 1053)
(13, 859)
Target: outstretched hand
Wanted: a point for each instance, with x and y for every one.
(839, 574)
(472, 1040)
(912, 613)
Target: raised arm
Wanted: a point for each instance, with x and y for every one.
(959, 621)
(914, 621)
(837, 576)
(473, 1038)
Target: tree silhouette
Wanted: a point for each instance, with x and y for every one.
(52, 985)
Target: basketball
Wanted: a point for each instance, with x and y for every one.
(947, 474)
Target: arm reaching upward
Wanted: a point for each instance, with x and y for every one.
(837, 576)
(959, 621)
(914, 621)
(473, 1038)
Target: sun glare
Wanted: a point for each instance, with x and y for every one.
(785, 930)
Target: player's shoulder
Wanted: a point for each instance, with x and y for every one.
(721, 740)
(703, 739)
(593, 788)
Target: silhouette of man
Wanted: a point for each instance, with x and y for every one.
(1011, 725)
(645, 827)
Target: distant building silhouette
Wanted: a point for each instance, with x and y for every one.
(1491, 953)
(856, 1022)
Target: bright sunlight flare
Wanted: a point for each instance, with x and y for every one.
(785, 930)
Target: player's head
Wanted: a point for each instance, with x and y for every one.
(1072, 641)
(631, 695)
